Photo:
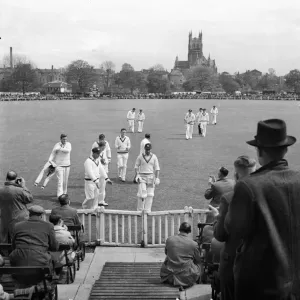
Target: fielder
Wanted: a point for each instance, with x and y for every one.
(141, 120)
(123, 146)
(131, 119)
(198, 120)
(48, 170)
(147, 175)
(145, 141)
(106, 154)
(214, 111)
(190, 121)
(204, 120)
(60, 160)
(93, 171)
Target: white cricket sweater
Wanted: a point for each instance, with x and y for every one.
(106, 154)
(131, 115)
(214, 111)
(147, 166)
(61, 154)
(141, 117)
(204, 118)
(93, 170)
(190, 118)
(122, 143)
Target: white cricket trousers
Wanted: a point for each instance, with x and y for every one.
(62, 174)
(189, 131)
(122, 164)
(146, 188)
(203, 128)
(91, 195)
(141, 125)
(214, 121)
(131, 125)
(44, 171)
(102, 192)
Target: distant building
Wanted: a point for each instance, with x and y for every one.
(56, 87)
(49, 75)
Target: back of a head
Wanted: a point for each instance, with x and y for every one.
(245, 163)
(101, 136)
(185, 227)
(224, 171)
(63, 199)
(54, 219)
(11, 175)
(101, 144)
(147, 135)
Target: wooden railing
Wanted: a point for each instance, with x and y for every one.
(133, 228)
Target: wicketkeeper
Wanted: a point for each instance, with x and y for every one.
(48, 170)
(147, 175)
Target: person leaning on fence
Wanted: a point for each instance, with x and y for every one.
(14, 197)
(243, 166)
(182, 264)
(264, 213)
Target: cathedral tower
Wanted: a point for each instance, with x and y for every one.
(195, 49)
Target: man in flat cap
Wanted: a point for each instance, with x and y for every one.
(147, 175)
(190, 121)
(264, 214)
(32, 242)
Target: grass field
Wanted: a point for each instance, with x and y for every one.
(29, 130)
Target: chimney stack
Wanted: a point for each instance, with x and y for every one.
(11, 58)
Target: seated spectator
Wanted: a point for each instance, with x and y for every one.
(243, 167)
(68, 214)
(32, 242)
(63, 237)
(4, 295)
(14, 197)
(182, 264)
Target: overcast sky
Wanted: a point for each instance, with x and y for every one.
(238, 34)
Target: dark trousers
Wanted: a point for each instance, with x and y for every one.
(199, 129)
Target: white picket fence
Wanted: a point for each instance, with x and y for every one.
(133, 228)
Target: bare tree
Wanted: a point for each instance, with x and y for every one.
(109, 69)
(157, 68)
(17, 59)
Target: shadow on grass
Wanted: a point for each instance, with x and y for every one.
(76, 187)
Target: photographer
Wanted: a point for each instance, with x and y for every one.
(14, 197)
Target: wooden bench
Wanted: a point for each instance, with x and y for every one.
(39, 290)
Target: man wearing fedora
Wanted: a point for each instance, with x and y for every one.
(264, 214)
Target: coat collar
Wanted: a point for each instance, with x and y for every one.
(183, 234)
(277, 164)
(8, 183)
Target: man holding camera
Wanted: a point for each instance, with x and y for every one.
(14, 197)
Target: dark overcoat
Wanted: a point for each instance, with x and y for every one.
(257, 270)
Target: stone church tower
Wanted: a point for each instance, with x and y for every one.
(195, 49)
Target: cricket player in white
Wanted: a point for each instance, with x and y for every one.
(60, 160)
(48, 170)
(198, 120)
(93, 171)
(204, 120)
(106, 154)
(123, 146)
(141, 120)
(131, 119)
(214, 111)
(190, 121)
(145, 141)
(147, 175)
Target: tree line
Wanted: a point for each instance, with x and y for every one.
(156, 79)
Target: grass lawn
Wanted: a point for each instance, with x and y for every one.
(29, 130)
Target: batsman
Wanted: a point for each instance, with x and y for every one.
(147, 176)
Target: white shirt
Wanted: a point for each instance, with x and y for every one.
(123, 143)
(147, 167)
(106, 151)
(141, 117)
(204, 118)
(93, 170)
(214, 111)
(131, 115)
(60, 154)
(143, 143)
(190, 118)
(198, 115)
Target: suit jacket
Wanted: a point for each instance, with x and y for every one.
(68, 214)
(227, 255)
(217, 189)
(257, 269)
(13, 201)
(181, 266)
